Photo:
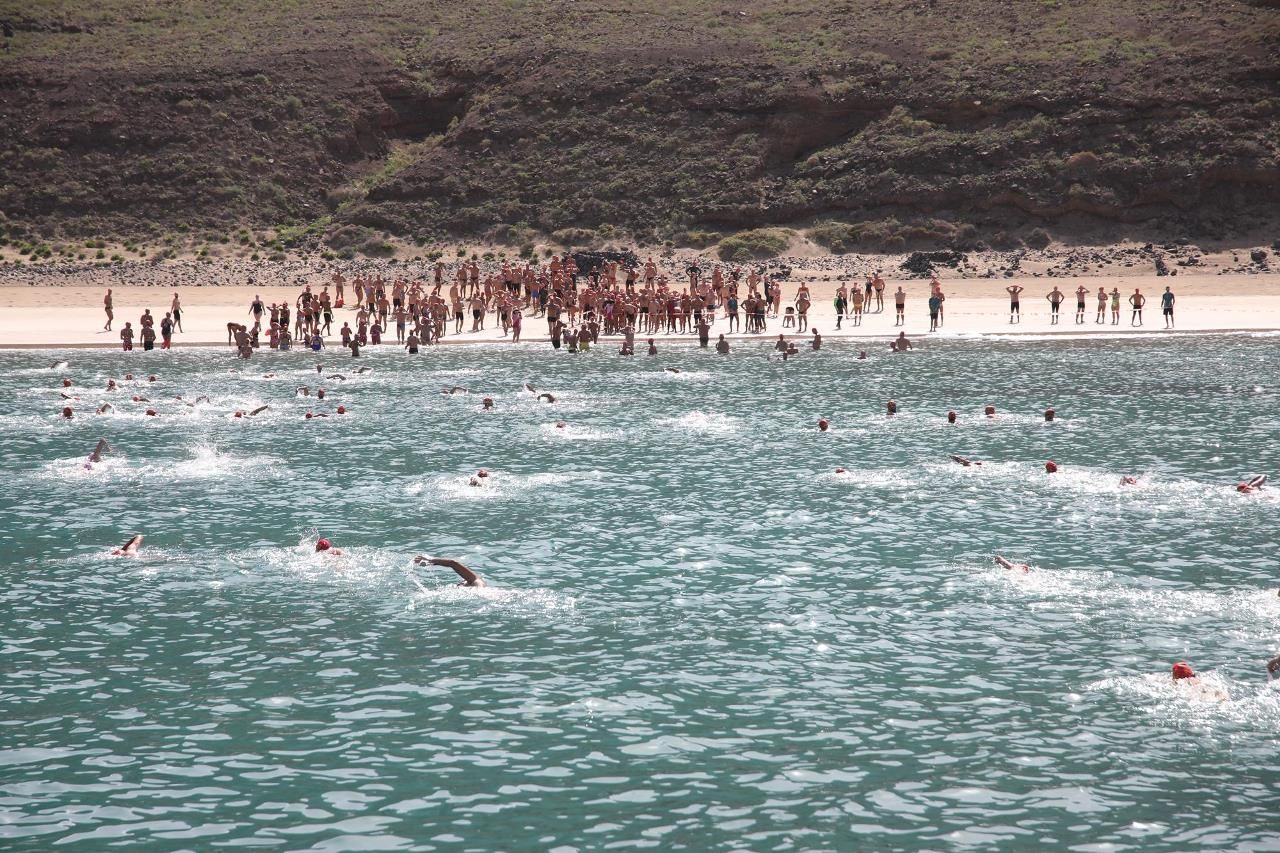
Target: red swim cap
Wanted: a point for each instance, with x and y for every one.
(239, 414)
(1182, 669)
(309, 416)
(66, 383)
(840, 471)
(323, 545)
(1243, 487)
(1051, 467)
(320, 393)
(483, 472)
(823, 424)
(342, 410)
(1049, 414)
(137, 399)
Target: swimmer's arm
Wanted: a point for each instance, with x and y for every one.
(259, 409)
(1001, 561)
(1273, 665)
(471, 578)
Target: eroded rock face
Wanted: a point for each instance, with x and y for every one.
(672, 135)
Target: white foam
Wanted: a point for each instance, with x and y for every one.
(702, 423)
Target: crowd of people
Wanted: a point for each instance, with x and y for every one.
(578, 306)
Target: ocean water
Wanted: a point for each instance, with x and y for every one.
(697, 635)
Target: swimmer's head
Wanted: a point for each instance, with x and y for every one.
(151, 413)
(989, 410)
(320, 393)
(488, 402)
(1182, 669)
(323, 545)
(951, 416)
(309, 416)
(483, 472)
(66, 383)
(342, 410)
(823, 424)
(66, 412)
(1051, 467)
(239, 413)
(1050, 414)
(151, 378)
(841, 471)
(892, 407)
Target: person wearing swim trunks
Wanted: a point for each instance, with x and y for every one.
(126, 337)
(1082, 293)
(935, 304)
(175, 308)
(900, 304)
(1055, 302)
(1014, 311)
(1115, 306)
(107, 304)
(1137, 300)
(1166, 305)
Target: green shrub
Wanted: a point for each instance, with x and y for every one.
(756, 244)
(1038, 239)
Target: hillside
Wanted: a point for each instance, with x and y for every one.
(873, 123)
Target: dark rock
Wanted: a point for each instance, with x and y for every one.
(924, 263)
(1258, 256)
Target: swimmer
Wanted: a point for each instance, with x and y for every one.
(326, 547)
(530, 388)
(319, 368)
(1051, 467)
(67, 396)
(1183, 674)
(862, 355)
(1273, 667)
(966, 463)
(653, 348)
(129, 548)
(1126, 480)
(545, 397)
(338, 376)
(303, 391)
(487, 404)
(456, 389)
(103, 447)
(106, 407)
(364, 370)
(1252, 484)
(672, 369)
(258, 410)
(1011, 566)
(900, 343)
(469, 578)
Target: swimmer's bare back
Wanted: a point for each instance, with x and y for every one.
(129, 548)
(469, 578)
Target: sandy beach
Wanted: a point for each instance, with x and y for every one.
(40, 309)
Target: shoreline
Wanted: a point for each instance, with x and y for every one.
(800, 339)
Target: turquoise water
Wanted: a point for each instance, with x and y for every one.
(697, 635)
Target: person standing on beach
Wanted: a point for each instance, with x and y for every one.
(841, 303)
(109, 309)
(878, 284)
(868, 288)
(1055, 302)
(900, 304)
(1014, 311)
(858, 307)
(1102, 306)
(935, 305)
(1082, 293)
(166, 331)
(1166, 304)
(126, 337)
(1115, 306)
(1137, 300)
(175, 308)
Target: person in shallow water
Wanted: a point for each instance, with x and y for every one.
(469, 578)
(1010, 565)
(1252, 484)
(129, 548)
